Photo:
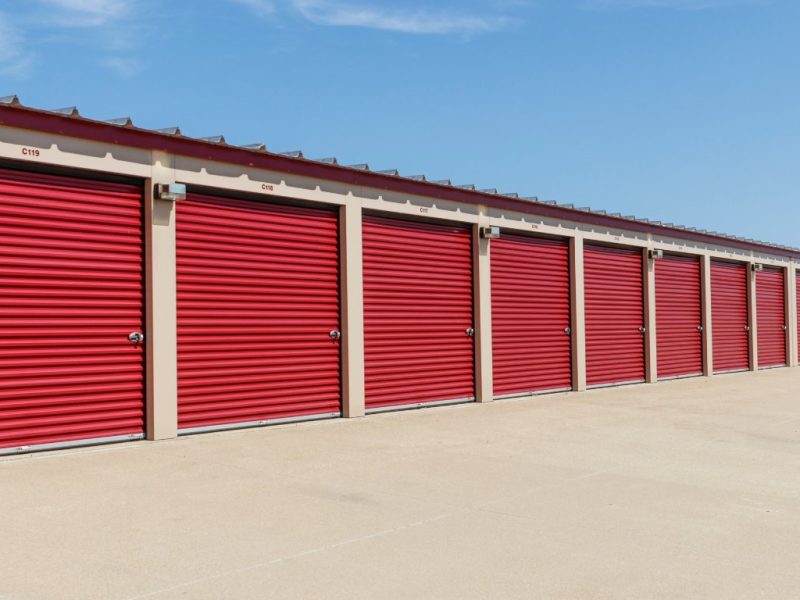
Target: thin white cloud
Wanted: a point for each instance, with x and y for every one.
(121, 65)
(403, 20)
(86, 13)
(669, 4)
(262, 8)
(400, 17)
(107, 24)
(14, 60)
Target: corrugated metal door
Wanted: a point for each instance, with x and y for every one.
(531, 347)
(679, 320)
(417, 313)
(729, 320)
(258, 295)
(771, 315)
(70, 294)
(614, 297)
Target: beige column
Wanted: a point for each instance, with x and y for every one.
(161, 310)
(791, 313)
(752, 316)
(482, 293)
(708, 325)
(352, 298)
(578, 314)
(650, 347)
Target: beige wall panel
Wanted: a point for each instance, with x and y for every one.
(352, 302)
(17, 144)
(708, 324)
(791, 314)
(482, 293)
(161, 308)
(578, 314)
(752, 299)
(650, 345)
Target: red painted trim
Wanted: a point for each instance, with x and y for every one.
(37, 120)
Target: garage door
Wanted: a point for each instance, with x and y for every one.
(614, 296)
(531, 348)
(70, 294)
(729, 318)
(417, 313)
(771, 315)
(258, 296)
(679, 317)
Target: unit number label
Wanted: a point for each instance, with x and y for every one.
(267, 187)
(32, 152)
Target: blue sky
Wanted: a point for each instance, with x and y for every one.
(686, 111)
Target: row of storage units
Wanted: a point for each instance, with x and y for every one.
(258, 312)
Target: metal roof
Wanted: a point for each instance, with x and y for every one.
(566, 211)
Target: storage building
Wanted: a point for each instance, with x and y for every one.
(153, 285)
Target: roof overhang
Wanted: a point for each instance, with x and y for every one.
(72, 124)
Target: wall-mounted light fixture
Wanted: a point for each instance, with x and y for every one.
(171, 191)
(758, 267)
(655, 254)
(490, 233)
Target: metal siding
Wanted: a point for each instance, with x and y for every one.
(614, 297)
(417, 307)
(679, 317)
(771, 315)
(70, 293)
(258, 294)
(530, 311)
(729, 317)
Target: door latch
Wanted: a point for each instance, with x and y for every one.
(335, 334)
(470, 331)
(136, 337)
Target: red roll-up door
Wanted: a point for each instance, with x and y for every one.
(417, 310)
(729, 319)
(531, 348)
(70, 294)
(258, 295)
(771, 315)
(679, 317)
(614, 297)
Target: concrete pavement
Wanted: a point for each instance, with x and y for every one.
(685, 489)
